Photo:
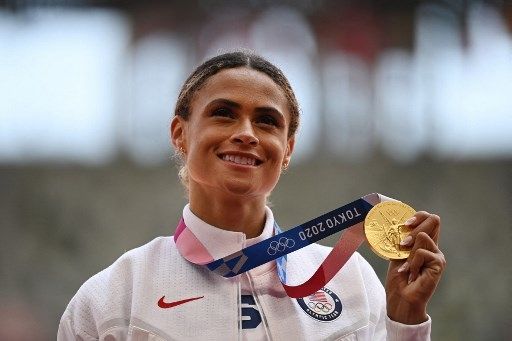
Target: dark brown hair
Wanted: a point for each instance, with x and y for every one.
(232, 60)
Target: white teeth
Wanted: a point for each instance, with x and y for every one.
(241, 160)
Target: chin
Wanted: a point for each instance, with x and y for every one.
(239, 187)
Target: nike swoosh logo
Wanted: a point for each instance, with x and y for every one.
(165, 305)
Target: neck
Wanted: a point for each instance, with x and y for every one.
(229, 212)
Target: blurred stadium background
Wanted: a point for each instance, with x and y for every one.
(411, 99)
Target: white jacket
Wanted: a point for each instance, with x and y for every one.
(121, 302)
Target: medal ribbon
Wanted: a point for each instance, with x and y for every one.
(349, 217)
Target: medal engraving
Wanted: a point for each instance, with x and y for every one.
(384, 229)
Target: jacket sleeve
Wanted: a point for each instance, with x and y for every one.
(67, 332)
(385, 328)
(397, 331)
(100, 308)
(79, 321)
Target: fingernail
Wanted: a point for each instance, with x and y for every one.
(410, 221)
(409, 281)
(404, 267)
(406, 241)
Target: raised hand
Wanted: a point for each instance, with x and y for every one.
(411, 283)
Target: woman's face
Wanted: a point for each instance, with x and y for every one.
(236, 137)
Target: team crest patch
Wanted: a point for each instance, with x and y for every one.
(323, 305)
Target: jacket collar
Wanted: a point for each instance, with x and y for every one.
(219, 242)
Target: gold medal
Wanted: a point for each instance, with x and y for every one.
(384, 229)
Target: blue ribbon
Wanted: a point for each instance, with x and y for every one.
(283, 243)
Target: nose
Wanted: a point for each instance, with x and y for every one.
(244, 134)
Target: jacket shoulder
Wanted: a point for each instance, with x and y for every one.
(107, 295)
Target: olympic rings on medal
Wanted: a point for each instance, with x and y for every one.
(279, 246)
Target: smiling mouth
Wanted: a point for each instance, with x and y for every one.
(240, 160)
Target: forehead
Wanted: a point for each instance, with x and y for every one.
(243, 85)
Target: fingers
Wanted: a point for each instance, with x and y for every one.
(416, 279)
(425, 255)
(422, 222)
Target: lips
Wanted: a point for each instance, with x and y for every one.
(239, 159)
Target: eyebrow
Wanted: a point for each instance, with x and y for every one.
(236, 105)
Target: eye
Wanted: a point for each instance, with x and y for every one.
(223, 112)
(268, 120)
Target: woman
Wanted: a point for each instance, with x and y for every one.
(234, 128)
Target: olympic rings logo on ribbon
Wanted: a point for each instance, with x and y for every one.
(319, 307)
(280, 245)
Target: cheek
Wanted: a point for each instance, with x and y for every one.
(278, 149)
(202, 139)
(276, 156)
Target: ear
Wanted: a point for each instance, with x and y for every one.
(178, 132)
(289, 150)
